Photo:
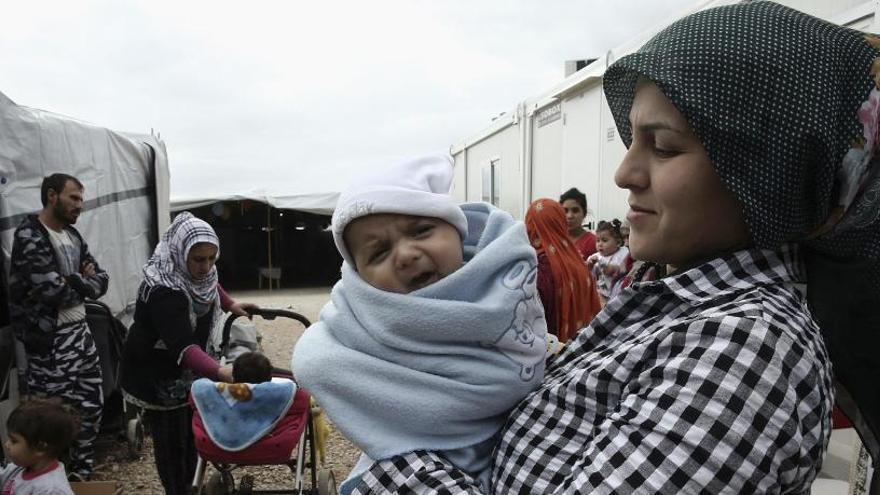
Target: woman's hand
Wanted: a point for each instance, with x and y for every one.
(243, 309)
(224, 374)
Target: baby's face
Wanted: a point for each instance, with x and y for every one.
(606, 243)
(403, 253)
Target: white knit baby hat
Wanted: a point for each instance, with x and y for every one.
(418, 186)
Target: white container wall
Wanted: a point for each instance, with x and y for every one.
(500, 153)
(612, 199)
(547, 148)
(583, 138)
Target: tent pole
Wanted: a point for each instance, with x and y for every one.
(269, 237)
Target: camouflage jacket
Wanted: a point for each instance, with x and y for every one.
(37, 291)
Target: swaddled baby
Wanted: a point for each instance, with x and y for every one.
(435, 331)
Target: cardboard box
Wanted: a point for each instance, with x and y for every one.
(96, 487)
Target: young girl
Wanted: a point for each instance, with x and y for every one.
(574, 203)
(39, 432)
(607, 263)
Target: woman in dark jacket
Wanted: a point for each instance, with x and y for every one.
(179, 302)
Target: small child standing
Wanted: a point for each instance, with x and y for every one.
(39, 432)
(252, 367)
(608, 262)
(435, 331)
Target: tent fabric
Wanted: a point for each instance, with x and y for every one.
(321, 203)
(126, 183)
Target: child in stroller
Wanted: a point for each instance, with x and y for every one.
(271, 418)
(252, 367)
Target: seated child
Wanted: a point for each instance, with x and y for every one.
(252, 367)
(39, 432)
(255, 367)
(255, 403)
(435, 331)
(608, 262)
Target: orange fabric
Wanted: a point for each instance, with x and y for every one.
(577, 301)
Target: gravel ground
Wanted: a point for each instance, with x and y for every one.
(139, 475)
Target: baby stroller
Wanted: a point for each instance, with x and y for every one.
(284, 445)
(118, 416)
(109, 335)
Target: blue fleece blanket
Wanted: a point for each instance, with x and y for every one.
(438, 368)
(238, 415)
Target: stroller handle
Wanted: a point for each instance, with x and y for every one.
(266, 314)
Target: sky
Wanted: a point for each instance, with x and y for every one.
(291, 95)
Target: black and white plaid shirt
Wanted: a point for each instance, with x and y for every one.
(714, 380)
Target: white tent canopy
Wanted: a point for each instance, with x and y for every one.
(321, 203)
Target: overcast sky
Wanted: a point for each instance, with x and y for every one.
(285, 94)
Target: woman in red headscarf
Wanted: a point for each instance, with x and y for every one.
(565, 286)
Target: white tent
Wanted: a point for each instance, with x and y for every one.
(126, 189)
(321, 203)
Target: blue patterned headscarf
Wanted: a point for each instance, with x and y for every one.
(787, 107)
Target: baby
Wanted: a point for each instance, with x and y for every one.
(40, 431)
(609, 262)
(435, 331)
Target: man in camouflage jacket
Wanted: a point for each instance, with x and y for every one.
(52, 273)
(39, 291)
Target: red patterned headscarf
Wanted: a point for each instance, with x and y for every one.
(576, 298)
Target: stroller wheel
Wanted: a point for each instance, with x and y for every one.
(326, 482)
(246, 485)
(220, 483)
(134, 433)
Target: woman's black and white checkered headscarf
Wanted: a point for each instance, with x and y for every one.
(787, 107)
(167, 267)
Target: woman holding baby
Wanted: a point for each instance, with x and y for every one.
(752, 133)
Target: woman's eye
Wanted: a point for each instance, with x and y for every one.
(664, 150)
(665, 153)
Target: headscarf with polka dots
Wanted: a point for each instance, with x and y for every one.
(788, 109)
